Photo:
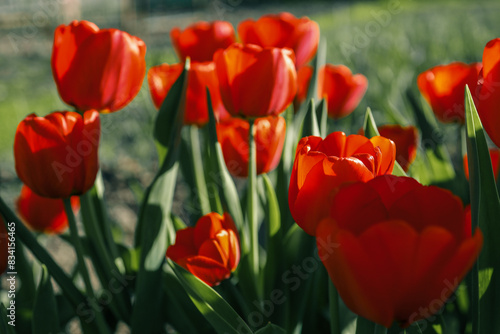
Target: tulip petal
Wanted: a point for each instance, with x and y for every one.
(206, 269)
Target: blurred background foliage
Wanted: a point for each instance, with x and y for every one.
(390, 42)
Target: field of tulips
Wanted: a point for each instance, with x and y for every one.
(299, 185)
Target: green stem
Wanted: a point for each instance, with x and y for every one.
(81, 262)
(379, 329)
(120, 303)
(199, 174)
(252, 203)
(333, 297)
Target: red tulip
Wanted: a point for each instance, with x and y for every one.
(342, 90)
(44, 214)
(200, 75)
(210, 250)
(4, 246)
(406, 140)
(56, 155)
(97, 69)
(304, 75)
(321, 166)
(269, 139)
(489, 96)
(200, 40)
(495, 163)
(255, 82)
(396, 250)
(443, 87)
(283, 31)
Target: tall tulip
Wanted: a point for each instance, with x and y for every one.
(210, 250)
(269, 139)
(255, 82)
(414, 238)
(200, 76)
(443, 87)
(200, 40)
(56, 155)
(97, 69)
(283, 30)
(43, 214)
(321, 166)
(489, 96)
(341, 88)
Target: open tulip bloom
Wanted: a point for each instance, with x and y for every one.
(262, 217)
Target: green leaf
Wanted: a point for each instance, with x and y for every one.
(485, 210)
(365, 326)
(220, 178)
(214, 308)
(322, 116)
(274, 237)
(310, 127)
(370, 129)
(45, 315)
(439, 167)
(155, 230)
(5, 327)
(271, 329)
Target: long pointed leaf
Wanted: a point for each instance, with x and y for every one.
(214, 308)
(485, 213)
(45, 315)
(154, 229)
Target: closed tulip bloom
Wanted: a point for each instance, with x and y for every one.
(283, 30)
(489, 96)
(406, 140)
(304, 75)
(269, 134)
(56, 155)
(200, 76)
(210, 250)
(321, 166)
(44, 214)
(399, 250)
(342, 90)
(443, 87)
(255, 82)
(495, 163)
(200, 40)
(97, 69)
(4, 246)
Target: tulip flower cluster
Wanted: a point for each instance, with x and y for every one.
(282, 205)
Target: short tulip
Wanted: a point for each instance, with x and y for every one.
(321, 166)
(56, 155)
(283, 30)
(396, 250)
(200, 76)
(97, 69)
(489, 95)
(42, 214)
(443, 87)
(200, 40)
(269, 139)
(342, 90)
(495, 163)
(255, 82)
(210, 250)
